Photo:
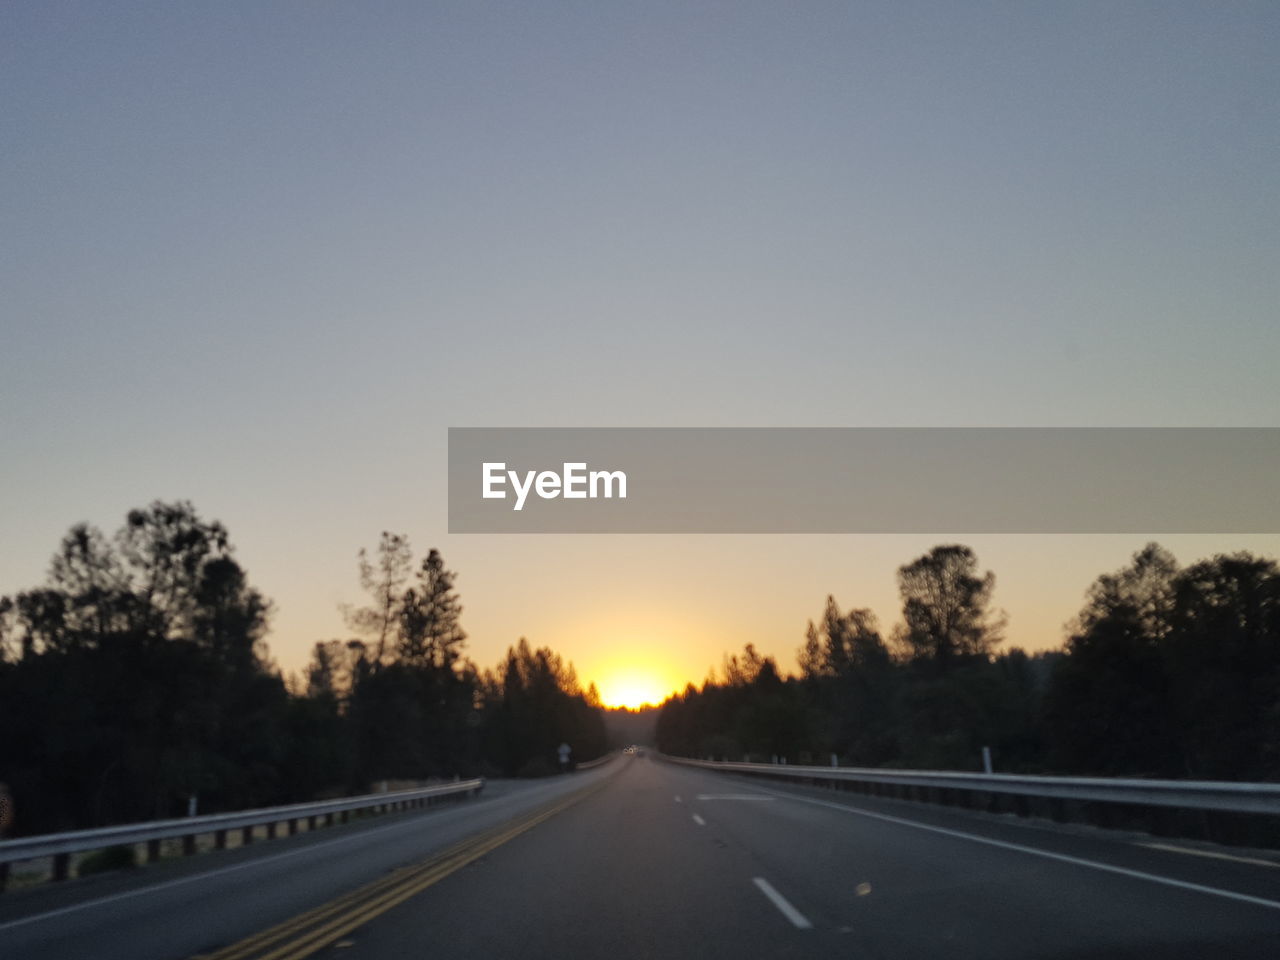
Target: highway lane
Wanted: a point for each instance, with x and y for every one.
(669, 861)
(658, 860)
(183, 907)
(902, 880)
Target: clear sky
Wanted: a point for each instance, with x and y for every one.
(261, 256)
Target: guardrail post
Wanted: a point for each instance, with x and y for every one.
(150, 837)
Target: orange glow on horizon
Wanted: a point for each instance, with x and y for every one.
(632, 687)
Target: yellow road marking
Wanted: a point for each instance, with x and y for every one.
(308, 932)
(311, 916)
(1173, 848)
(367, 910)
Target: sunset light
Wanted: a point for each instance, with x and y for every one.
(638, 480)
(632, 687)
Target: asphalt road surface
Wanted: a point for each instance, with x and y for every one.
(642, 858)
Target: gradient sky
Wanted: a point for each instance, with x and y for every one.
(261, 256)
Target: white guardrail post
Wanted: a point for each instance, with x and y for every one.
(61, 846)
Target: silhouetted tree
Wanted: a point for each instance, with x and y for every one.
(852, 685)
(945, 607)
(384, 579)
(1223, 652)
(1173, 672)
(165, 549)
(430, 634)
(532, 705)
(138, 676)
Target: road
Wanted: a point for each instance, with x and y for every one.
(642, 858)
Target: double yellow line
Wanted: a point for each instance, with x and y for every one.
(303, 935)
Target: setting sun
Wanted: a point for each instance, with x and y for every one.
(632, 688)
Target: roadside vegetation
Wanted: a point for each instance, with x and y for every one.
(1167, 671)
(139, 677)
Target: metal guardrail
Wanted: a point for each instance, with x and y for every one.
(61, 845)
(1183, 794)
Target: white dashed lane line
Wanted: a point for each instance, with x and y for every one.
(798, 919)
(1035, 851)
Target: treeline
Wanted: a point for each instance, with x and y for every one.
(138, 676)
(1166, 672)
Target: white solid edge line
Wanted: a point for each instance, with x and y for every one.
(798, 919)
(1047, 854)
(699, 821)
(254, 862)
